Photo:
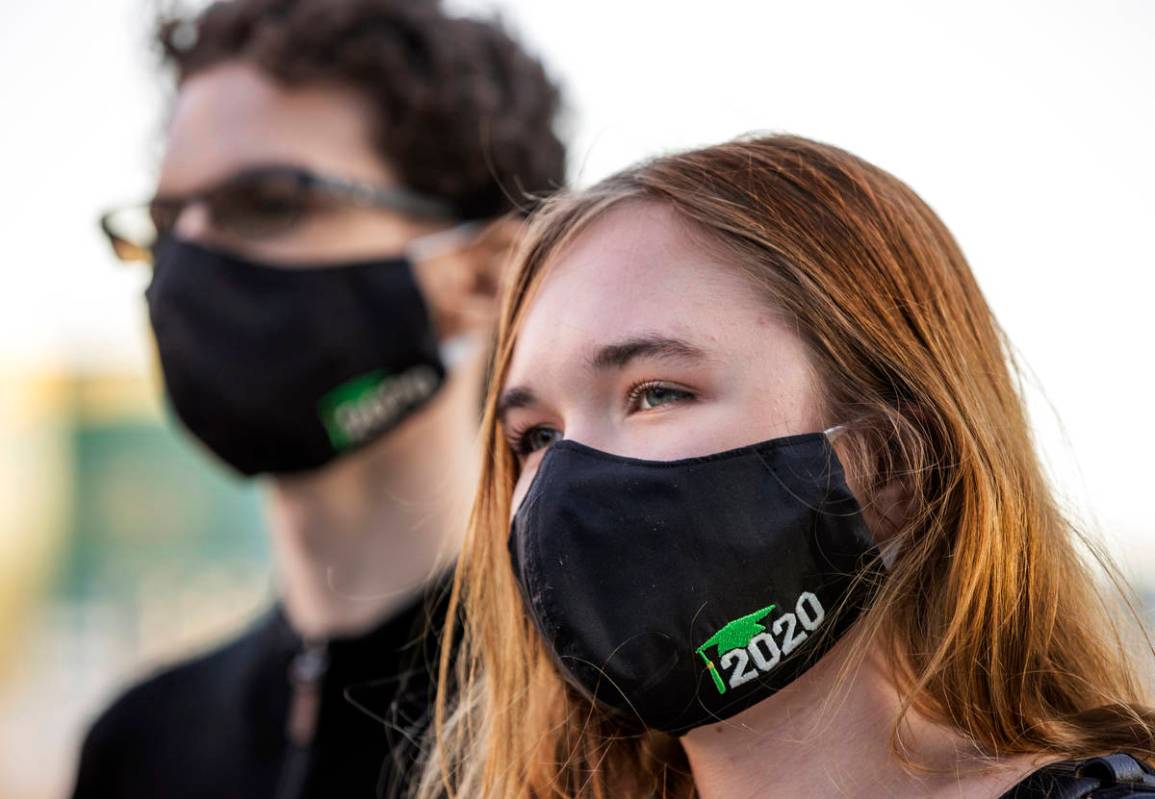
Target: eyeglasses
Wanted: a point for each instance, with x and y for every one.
(258, 204)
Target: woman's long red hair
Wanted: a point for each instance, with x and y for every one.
(991, 615)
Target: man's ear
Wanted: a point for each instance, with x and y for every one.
(492, 253)
(461, 287)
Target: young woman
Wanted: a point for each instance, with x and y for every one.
(761, 514)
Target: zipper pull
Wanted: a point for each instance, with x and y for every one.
(306, 673)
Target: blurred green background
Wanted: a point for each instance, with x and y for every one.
(122, 548)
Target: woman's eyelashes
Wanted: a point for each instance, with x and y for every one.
(652, 394)
(529, 440)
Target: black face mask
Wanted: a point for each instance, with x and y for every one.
(683, 592)
(283, 369)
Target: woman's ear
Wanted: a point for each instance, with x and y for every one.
(890, 510)
(461, 287)
(878, 462)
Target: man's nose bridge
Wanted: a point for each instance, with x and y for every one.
(193, 222)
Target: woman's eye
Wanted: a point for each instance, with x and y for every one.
(536, 438)
(654, 395)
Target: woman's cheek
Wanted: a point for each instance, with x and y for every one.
(521, 487)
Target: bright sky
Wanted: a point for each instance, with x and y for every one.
(1028, 126)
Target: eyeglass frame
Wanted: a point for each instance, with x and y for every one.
(357, 193)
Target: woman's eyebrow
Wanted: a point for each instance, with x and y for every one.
(516, 397)
(611, 356)
(620, 353)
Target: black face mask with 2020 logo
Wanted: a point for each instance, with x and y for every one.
(682, 592)
(281, 369)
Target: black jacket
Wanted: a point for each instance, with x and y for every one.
(1114, 776)
(219, 725)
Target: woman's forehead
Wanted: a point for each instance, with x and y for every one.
(636, 272)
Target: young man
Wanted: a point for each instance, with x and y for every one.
(341, 183)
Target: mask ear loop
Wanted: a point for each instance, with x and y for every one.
(835, 431)
(456, 350)
(432, 245)
(887, 550)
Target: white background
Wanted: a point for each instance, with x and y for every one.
(1028, 126)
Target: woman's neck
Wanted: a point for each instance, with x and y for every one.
(360, 538)
(827, 734)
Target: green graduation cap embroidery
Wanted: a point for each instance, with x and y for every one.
(735, 635)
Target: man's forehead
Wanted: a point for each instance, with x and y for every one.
(231, 117)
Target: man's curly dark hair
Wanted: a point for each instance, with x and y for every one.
(462, 112)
